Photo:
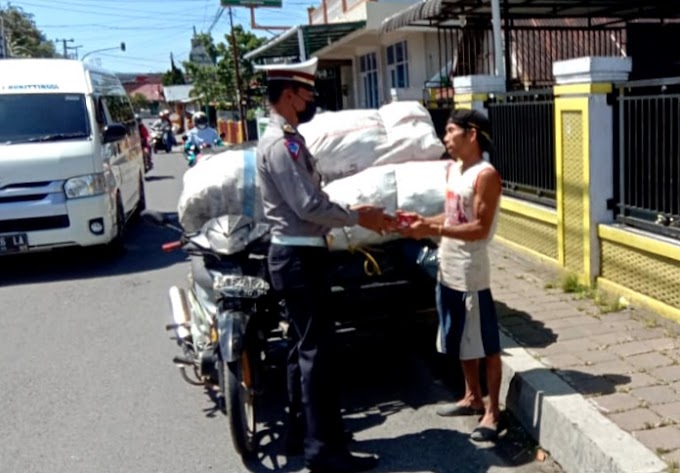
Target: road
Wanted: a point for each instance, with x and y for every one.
(88, 385)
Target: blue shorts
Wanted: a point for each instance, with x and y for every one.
(468, 326)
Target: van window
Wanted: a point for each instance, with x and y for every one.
(120, 110)
(43, 117)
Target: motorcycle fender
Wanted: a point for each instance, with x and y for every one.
(231, 330)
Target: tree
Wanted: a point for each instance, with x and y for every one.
(217, 84)
(174, 76)
(139, 101)
(22, 36)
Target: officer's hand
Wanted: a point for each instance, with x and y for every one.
(374, 218)
(417, 230)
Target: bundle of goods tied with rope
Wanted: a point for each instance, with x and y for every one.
(389, 157)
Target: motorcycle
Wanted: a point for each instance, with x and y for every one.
(193, 152)
(146, 154)
(162, 138)
(221, 316)
(227, 319)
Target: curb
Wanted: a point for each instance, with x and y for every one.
(563, 422)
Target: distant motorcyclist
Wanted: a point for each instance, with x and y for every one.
(199, 137)
(145, 138)
(163, 136)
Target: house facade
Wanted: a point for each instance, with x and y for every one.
(359, 67)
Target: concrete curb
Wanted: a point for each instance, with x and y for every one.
(563, 422)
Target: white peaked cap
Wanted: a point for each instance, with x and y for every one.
(303, 72)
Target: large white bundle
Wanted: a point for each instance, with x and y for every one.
(347, 142)
(415, 187)
(221, 184)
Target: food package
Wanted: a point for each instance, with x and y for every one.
(220, 184)
(346, 142)
(414, 186)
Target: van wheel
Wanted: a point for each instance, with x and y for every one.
(141, 205)
(117, 245)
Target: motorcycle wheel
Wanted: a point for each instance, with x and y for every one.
(239, 396)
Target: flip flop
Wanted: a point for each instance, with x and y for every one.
(455, 410)
(484, 434)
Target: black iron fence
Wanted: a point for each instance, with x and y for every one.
(647, 172)
(524, 135)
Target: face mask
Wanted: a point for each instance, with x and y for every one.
(308, 113)
(202, 127)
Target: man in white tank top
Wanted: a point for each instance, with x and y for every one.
(468, 327)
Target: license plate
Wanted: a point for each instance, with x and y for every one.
(13, 243)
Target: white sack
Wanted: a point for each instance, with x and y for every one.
(349, 141)
(220, 184)
(415, 187)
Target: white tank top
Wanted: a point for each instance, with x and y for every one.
(464, 265)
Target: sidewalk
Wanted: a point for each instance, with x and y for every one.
(623, 361)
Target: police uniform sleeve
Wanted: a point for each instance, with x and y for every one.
(298, 189)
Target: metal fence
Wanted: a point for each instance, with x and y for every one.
(524, 136)
(647, 172)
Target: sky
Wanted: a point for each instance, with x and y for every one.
(151, 29)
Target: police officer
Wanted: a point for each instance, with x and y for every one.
(301, 214)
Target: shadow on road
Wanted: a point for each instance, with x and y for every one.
(142, 253)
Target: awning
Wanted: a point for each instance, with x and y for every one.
(315, 37)
(436, 12)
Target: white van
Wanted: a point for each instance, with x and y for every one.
(71, 165)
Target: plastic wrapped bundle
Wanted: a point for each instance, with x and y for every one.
(415, 187)
(221, 184)
(347, 142)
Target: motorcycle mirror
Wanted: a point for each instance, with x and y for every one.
(153, 217)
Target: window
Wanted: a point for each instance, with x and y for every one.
(368, 71)
(43, 117)
(397, 65)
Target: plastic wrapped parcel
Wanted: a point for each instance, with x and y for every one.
(415, 187)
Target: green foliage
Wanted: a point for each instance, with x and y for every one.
(139, 102)
(217, 84)
(23, 38)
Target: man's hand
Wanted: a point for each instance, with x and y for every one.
(374, 218)
(418, 230)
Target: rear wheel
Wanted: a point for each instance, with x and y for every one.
(239, 395)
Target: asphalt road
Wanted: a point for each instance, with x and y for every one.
(88, 385)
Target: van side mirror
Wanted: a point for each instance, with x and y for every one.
(114, 132)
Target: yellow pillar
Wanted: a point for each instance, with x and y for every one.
(584, 157)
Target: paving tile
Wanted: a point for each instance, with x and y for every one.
(650, 334)
(616, 402)
(655, 394)
(637, 419)
(637, 380)
(571, 322)
(631, 349)
(675, 386)
(667, 373)
(673, 457)
(613, 367)
(649, 360)
(662, 344)
(564, 360)
(586, 383)
(661, 439)
(668, 411)
(614, 338)
(572, 346)
(602, 328)
(597, 356)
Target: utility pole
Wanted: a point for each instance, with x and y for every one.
(3, 43)
(75, 48)
(63, 42)
(237, 72)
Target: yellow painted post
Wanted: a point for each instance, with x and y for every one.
(584, 136)
(473, 91)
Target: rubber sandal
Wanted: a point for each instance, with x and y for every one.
(484, 434)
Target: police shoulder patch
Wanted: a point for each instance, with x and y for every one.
(293, 147)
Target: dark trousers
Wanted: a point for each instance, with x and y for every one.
(300, 275)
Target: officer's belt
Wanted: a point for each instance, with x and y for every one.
(299, 241)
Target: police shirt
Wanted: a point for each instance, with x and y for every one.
(291, 191)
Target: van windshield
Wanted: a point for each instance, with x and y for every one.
(28, 118)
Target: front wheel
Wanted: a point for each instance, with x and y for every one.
(239, 394)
